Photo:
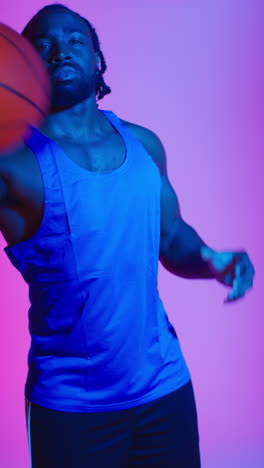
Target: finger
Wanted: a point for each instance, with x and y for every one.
(245, 286)
(248, 272)
(243, 274)
(233, 296)
(241, 287)
(238, 270)
(239, 291)
(246, 266)
(245, 279)
(231, 299)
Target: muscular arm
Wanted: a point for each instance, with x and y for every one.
(180, 245)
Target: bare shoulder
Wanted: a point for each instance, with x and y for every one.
(151, 142)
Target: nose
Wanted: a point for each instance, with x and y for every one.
(60, 53)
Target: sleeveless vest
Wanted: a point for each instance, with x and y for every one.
(100, 336)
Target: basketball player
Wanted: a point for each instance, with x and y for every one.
(87, 211)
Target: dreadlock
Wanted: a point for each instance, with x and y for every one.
(101, 89)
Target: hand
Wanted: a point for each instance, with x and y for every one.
(231, 269)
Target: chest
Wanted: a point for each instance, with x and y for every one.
(24, 175)
(102, 156)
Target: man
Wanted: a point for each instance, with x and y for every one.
(88, 211)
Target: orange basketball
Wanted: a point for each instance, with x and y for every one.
(25, 88)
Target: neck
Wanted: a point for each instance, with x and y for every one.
(80, 122)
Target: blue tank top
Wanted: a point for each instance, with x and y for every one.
(100, 337)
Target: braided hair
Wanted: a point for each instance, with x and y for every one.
(101, 88)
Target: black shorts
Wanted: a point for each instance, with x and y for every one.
(160, 434)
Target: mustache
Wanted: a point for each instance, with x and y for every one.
(64, 65)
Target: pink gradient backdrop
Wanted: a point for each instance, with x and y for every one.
(191, 71)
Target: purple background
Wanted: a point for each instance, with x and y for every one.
(191, 71)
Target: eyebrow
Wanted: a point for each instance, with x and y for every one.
(42, 34)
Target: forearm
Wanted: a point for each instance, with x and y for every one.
(182, 256)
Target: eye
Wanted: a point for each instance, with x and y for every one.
(42, 46)
(46, 46)
(76, 40)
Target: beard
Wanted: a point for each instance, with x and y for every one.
(69, 92)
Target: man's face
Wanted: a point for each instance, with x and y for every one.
(63, 40)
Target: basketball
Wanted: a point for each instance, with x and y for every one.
(25, 88)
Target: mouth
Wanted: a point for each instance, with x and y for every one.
(65, 66)
(64, 73)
